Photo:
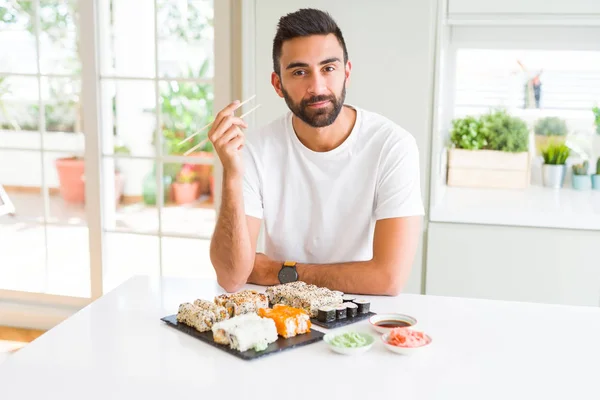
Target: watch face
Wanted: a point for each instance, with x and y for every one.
(288, 274)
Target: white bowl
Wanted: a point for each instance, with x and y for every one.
(407, 351)
(349, 350)
(390, 317)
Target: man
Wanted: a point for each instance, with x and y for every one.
(336, 186)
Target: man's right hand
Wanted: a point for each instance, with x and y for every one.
(228, 139)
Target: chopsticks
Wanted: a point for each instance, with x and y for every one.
(203, 142)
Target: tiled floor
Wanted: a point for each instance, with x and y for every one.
(64, 269)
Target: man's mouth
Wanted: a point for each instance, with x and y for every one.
(319, 104)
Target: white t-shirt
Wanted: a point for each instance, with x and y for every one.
(321, 207)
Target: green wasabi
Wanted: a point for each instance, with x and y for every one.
(349, 339)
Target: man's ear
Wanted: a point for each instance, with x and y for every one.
(276, 82)
(347, 72)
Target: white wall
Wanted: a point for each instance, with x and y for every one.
(391, 50)
(533, 7)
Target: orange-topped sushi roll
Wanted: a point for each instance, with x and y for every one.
(289, 321)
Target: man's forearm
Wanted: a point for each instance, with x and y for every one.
(230, 248)
(362, 277)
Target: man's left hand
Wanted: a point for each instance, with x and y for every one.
(265, 271)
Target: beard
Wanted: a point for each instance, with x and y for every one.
(320, 117)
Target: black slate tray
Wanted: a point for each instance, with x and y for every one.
(281, 344)
(342, 322)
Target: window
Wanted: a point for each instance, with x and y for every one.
(156, 87)
(493, 78)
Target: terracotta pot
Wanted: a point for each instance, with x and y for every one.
(185, 192)
(212, 186)
(71, 176)
(119, 186)
(203, 171)
(71, 179)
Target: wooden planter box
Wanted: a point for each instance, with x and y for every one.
(488, 169)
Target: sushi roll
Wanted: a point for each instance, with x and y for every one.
(348, 298)
(245, 332)
(363, 306)
(340, 312)
(326, 314)
(351, 310)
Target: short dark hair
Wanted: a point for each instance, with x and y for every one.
(304, 22)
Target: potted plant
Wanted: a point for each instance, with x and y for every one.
(185, 187)
(71, 177)
(553, 171)
(596, 176)
(596, 111)
(71, 171)
(549, 129)
(489, 152)
(581, 179)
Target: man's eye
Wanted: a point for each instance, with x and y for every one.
(299, 72)
(329, 68)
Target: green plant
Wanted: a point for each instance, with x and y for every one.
(556, 154)
(550, 126)
(598, 166)
(186, 174)
(10, 122)
(57, 22)
(504, 132)
(186, 108)
(596, 111)
(581, 169)
(466, 134)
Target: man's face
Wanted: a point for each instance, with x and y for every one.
(313, 78)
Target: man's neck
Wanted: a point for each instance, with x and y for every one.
(329, 137)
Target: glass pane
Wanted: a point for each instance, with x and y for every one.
(128, 255)
(63, 114)
(19, 112)
(128, 116)
(22, 253)
(68, 261)
(185, 39)
(530, 84)
(21, 177)
(187, 258)
(17, 37)
(127, 38)
(59, 38)
(190, 210)
(186, 108)
(131, 206)
(65, 178)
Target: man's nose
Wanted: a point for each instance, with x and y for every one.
(317, 84)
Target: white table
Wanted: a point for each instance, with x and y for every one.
(117, 348)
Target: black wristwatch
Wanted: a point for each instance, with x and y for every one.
(288, 272)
